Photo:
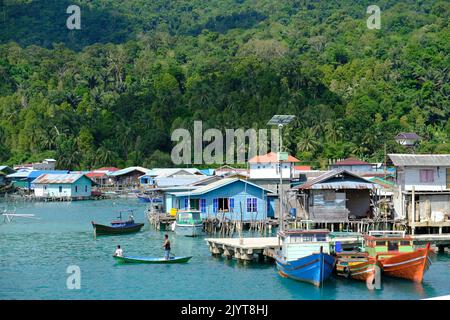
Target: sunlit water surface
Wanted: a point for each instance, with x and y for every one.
(36, 254)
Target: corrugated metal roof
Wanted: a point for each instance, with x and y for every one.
(58, 178)
(169, 171)
(7, 169)
(216, 185)
(353, 181)
(407, 135)
(401, 160)
(128, 170)
(32, 174)
(350, 162)
(177, 181)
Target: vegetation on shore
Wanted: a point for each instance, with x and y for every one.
(112, 93)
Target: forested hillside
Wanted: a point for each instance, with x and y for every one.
(112, 92)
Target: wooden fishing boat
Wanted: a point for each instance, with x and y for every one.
(397, 255)
(356, 265)
(148, 199)
(118, 226)
(136, 259)
(188, 223)
(305, 255)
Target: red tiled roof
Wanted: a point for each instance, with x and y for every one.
(96, 174)
(350, 162)
(302, 168)
(270, 158)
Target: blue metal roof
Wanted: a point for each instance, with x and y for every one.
(208, 172)
(36, 173)
(33, 174)
(216, 185)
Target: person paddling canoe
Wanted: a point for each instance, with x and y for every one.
(166, 246)
(119, 252)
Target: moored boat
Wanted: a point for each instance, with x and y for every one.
(188, 223)
(118, 226)
(305, 256)
(148, 199)
(137, 259)
(356, 265)
(397, 255)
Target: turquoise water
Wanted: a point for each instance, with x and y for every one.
(36, 253)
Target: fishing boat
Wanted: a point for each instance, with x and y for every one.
(188, 223)
(305, 255)
(148, 199)
(356, 265)
(136, 259)
(118, 226)
(397, 255)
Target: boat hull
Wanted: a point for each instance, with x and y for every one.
(100, 229)
(148, 199)
(363, 270)
(407, 265)
(135, 259)
(314, 268)
(189, 230)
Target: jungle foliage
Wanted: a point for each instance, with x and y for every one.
(112, 92)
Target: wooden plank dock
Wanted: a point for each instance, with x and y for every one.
(263, 247)
(246, 249)
(243, 248)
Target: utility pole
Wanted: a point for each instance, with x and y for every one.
(280, 121)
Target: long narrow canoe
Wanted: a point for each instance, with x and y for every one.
(135, 259)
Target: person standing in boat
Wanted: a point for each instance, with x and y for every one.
(166, 246)
(119, 252)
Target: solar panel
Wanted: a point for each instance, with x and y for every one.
(282, 119)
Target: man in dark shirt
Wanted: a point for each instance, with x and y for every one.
(166, 246)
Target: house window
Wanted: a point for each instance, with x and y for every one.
(221, 204)
(60, 189)
(224, 204)
(194, 204)
(45, 187)
(76, 188)
(252, 205)
(203, 205)
(426, 175)
(448, 178)
(85, 188)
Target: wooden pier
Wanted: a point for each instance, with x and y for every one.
(243, 249)
(246, 249)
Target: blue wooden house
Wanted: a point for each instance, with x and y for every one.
(232, 197)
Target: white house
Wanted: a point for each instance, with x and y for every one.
(62, 185)
(423, 186)
(267, 167)
(407, 139)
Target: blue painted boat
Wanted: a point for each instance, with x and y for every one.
(305, 255)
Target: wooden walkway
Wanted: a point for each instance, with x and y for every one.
(263, 247)
(245, 249)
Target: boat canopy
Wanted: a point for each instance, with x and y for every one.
(295, 236)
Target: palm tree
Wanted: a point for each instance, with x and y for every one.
(307, 141)
(334, 130)
(104, 156)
